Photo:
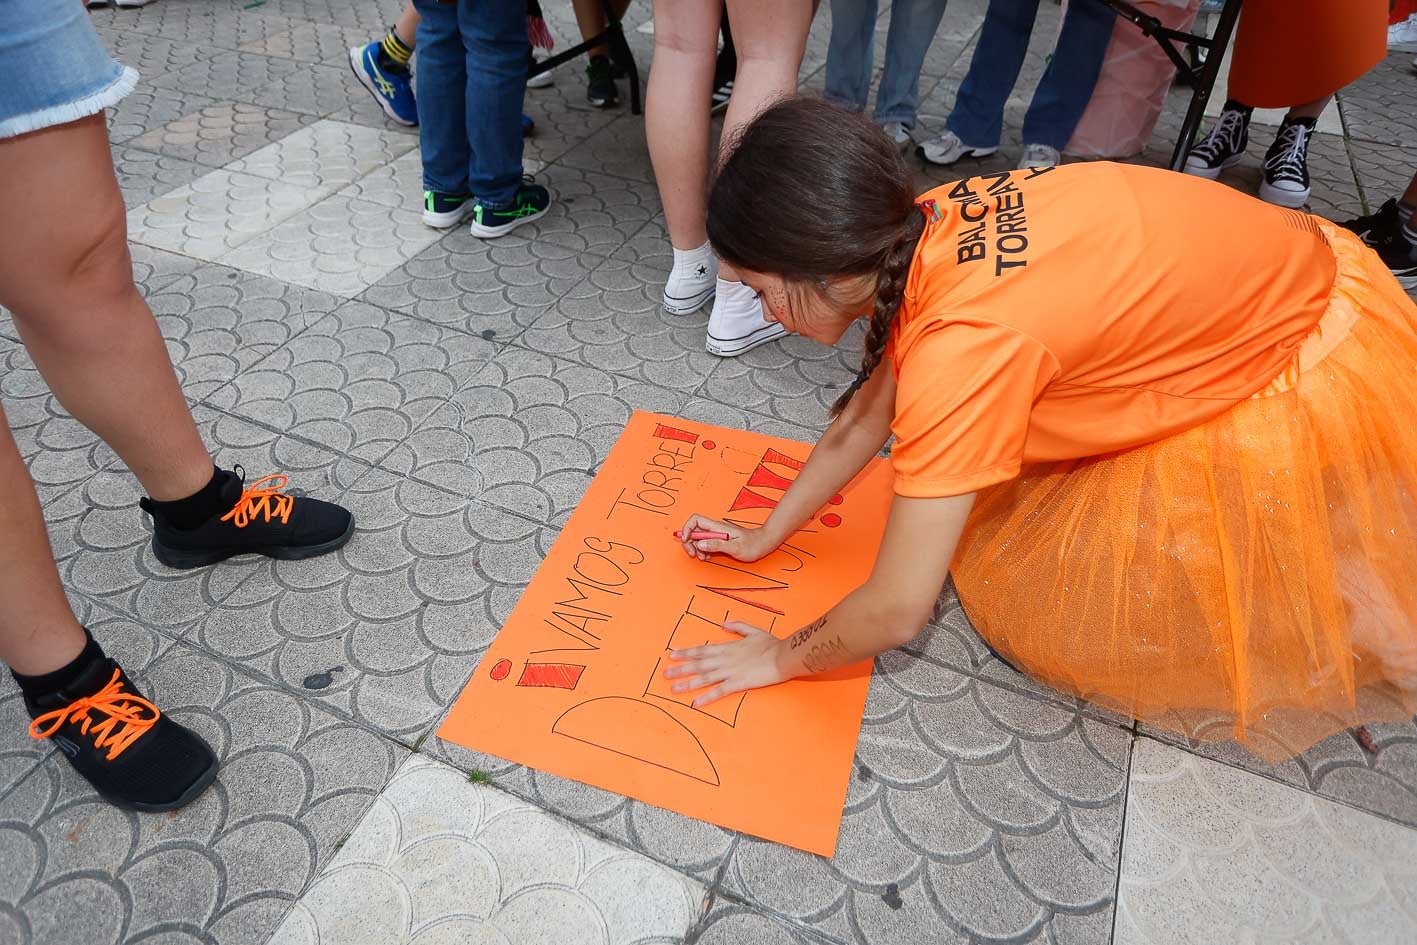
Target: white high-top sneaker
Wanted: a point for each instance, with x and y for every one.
(737, 323)
(692, 281)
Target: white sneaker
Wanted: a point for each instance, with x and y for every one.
(1039, 155)
(130, 3)
(947, 148)
(692, 282)
(542, 79)
(737, 324)
(900, 133)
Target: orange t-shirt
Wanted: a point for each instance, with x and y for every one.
(1056, 314)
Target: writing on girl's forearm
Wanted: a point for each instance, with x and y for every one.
(822, 653)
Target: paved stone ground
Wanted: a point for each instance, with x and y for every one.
(455, 394)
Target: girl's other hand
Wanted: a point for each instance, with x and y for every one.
(750, 662)
(743, 544)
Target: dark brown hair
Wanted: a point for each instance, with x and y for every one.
(813, 192)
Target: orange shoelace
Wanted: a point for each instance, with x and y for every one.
(127, 718)
(261, 499)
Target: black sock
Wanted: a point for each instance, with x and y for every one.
(46, 683)
(197, 508)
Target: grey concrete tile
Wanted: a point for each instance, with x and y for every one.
(101, 540)
(437, 859)
(528, 434)
(312, 42)
(218, 322)
(146, 108)
(593, 212)
(1216, 854)
(398, 184)
(372, 18)
(339, 245)
(615, 321)
(365, 111)
(691, 846)
(975, 813)
(358, 381)
(564, 119)
(723, 415)
(201, 23)
(265, 80)
(1383, 170)
(295, 780)
(493, 288)
(619, 150)
(215, 213)
(130, 643)
(389, 629)
(794, 379)
(1335, 193)
(650, 250)
(1378, 106)
(221, 132)
(325, 156)
(143, 175)
(728, 923)
(151, 55)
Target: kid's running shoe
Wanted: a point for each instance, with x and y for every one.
(391, 87)
(532, 200)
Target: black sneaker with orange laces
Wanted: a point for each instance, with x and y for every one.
(260, 519)
(132, 754)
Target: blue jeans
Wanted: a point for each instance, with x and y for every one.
(912, 29)
(471, 77)
(1062, 95)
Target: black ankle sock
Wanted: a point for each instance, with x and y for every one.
(1233, 106)
(46, 683)
(197, 508)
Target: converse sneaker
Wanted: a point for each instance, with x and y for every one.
(542, 79)
(132, 754)
(1224, 146)
(1286, 165)
(1039, 155)
(531, 201)
(900, 133)
(1375, 226)
(257, 519)
(600, 84)
(443, 211)
(1399, 254)
(692, 281)
(737, 324)
(947, 148)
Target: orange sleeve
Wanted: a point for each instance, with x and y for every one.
(964, 391)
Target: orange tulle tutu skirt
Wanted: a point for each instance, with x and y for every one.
(1254, 578)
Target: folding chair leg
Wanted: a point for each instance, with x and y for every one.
(1206, 84)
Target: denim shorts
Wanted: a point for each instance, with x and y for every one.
(53, 68)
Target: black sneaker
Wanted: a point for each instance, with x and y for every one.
(1286, 165)
(1224, 146)
(446, 210)
(531, 201)
(1375, 227)
(722, 92)
(1400, 257)
(132, 754)
(600, 84)
(261, 520)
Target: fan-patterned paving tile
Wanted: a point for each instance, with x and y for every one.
(339, 245)
(216, 213)
(614, 320)
(143, 175)
(564, 119)
(619, 149)
(687, 844)
(528, 433)
(437, 859)
(593, 212)
(102, 540)
(358, 381)
(728, 923)
(295, 780)
(974, 813)
(365, 111)
(325, 156)
(219, 322)
(146, 108)
(221, 132)
(1378, 106)
(1383, 170)
(389, 628)
(195, 22)
(265, 80)
(151, 55)
(651, 252)
(397, 184)
(1216, 854)
(312, 42)
(794, 378)
(129, 643)
(492, 288)
(371, 18)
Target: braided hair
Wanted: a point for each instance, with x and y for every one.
(813, 192)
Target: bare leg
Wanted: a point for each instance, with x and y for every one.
(406, 28)
(38, 632)
(1310, 109)
(67, 278)
(676, 119)
(590, 18)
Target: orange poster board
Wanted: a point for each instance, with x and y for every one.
(574, 683)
